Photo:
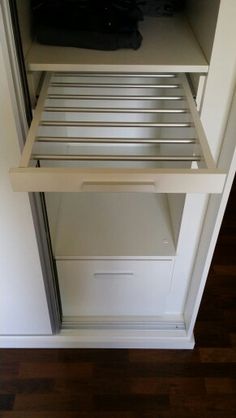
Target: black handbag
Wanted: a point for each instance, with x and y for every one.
(106, 25)
(162, 7)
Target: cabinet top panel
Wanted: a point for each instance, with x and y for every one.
(168, 45)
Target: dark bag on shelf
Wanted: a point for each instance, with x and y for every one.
(162, 7)
(105, 25)
(89, 40)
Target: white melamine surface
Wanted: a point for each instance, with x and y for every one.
(202, 17)
(113, 224)
(114, 287)
(168, 45)
(23, 304)
(221, 78)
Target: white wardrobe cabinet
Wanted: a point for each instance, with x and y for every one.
(134, 152)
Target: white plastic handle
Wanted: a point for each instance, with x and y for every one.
(148, 187)
(113, 275)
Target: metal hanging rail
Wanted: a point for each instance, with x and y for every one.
(100, 157)
(65, 96)
(68, 140)
(71, 109)
(71, 124)
(118, 75)
(114, 86)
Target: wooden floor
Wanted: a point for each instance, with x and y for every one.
(138, 383)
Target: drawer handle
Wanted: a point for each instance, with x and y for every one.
(119, 187)
(113, 275)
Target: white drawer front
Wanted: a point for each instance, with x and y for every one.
(114, 287)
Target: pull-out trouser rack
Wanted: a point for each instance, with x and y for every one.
(93, 129)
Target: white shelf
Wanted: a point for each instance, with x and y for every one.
(110, 224)
(168, 45)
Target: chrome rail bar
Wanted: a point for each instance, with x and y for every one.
(61, 157)
(109, 110)
(71, 124)
(120, 75)
(79, 140)
(109, 97)
(112, 85)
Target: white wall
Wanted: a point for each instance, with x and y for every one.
(23, 306)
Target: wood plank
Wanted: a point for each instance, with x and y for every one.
(55, 370)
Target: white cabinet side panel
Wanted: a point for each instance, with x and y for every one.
(221, 77)
(23, 306)
(202, 17)
(218, 96)
(212, 223)
(192, 219)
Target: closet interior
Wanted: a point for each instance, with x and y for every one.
(117, 146)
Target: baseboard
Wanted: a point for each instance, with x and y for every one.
(177, 339)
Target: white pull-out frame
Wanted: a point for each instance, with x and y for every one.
(83, 120)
